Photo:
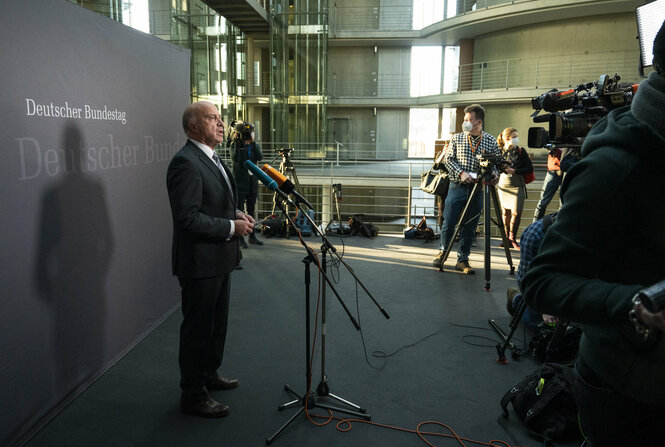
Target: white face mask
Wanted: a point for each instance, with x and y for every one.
(467, 126)
(514, 142)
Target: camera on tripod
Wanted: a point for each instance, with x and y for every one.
(285, 151)
(489, 161)
(245, 130)
(573, 112)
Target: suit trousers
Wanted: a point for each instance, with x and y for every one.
(205, 309)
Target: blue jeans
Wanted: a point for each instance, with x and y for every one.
(551, 183)
(458, 194)
(530, 317)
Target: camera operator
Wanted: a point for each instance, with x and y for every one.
(243, 147)
(462, 164)
(611, 209)
(551, 182)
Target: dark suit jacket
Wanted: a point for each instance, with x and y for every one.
(202, 207)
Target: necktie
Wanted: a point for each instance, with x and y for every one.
(221, 169)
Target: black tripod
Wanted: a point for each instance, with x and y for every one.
(336, 193)
(489, 191)
(552, 345)
(287, 169)
(310, 399)
(514, 323)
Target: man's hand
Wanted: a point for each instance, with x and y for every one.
(243, 227)
(246, 217)
(464, 177)
(509, 170)
(493, 181)
(651, 320)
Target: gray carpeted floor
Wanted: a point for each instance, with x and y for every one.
(443, 365)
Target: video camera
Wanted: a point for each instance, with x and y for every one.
(285, 151)
(573, 112)
(245, 130)
(488, 161)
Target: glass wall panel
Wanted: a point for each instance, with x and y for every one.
(425, 71)
(299, 52)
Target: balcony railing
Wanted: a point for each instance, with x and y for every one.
(386, 192)
(546, 71)
(535, 72)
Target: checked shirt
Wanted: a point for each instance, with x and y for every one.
(461, 157)
(530, 241)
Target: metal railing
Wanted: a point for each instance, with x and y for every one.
(530, 72)
(545, 71)
(385, 192)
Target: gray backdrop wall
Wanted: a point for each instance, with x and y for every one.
(90, 116)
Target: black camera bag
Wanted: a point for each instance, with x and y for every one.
(544, 401)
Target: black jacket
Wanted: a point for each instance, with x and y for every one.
(239, 154)
(607, 243)
(202, 207)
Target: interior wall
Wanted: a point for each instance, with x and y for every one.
(360, 127)
(602, 33)
(91, 117)
(352, 71)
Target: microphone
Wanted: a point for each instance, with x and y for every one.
(270, 183)
(284, 183)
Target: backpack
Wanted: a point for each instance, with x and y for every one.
(303, 223)
(360, 227)
(420, 231)
(272, 226)
(545, 402)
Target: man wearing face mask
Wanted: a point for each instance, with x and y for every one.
(461, 161)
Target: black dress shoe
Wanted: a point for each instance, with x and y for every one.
(222, 383)
(254, 240)
(206, 407)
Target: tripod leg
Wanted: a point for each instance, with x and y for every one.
(286, 424)
(502, 230)
(486, 242)
(514, 324)
(554, 341)
(458, 228)
(346, 402)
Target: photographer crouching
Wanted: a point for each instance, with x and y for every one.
(612, 213)
(243, 147)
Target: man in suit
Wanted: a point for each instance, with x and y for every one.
(206, 228)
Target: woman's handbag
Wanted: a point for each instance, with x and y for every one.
(434, 182)
(529, 177)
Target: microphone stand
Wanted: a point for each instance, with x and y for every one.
(323, 388)
(308, 399)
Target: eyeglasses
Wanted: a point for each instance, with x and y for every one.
(214, 117)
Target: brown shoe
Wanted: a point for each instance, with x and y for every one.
(511, 293)
(206, 407)
(464, 267)
(222, 383)
(438, 260)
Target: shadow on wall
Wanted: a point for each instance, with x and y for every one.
(72, 262)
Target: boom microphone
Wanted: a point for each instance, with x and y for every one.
(284, 183)
(270, 183)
